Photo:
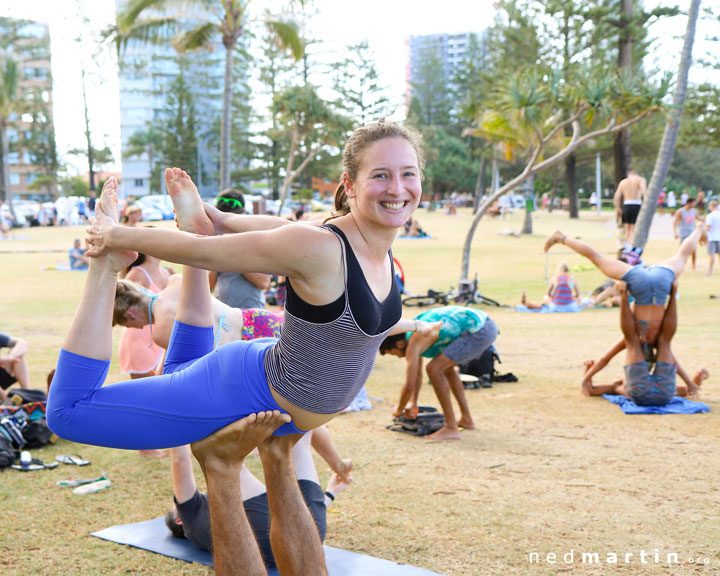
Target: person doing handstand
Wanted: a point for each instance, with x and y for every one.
(455, 335)
(342, 303)
(643, 387)
(649, 285)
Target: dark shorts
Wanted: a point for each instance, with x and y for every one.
(470, 345)
(6, 379)
(646, 389)
(714, 247)
(630, 213)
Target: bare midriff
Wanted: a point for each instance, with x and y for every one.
(303, 419)
(648, 320)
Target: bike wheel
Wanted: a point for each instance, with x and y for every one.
(480, 299)
(419, 301)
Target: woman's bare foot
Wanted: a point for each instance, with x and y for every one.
(445, 433)
(153, 453)
(189, 211)
(117, 260)
(556, 237)
(235, 441)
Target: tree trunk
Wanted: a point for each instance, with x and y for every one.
(672, 125)
(479, 184)
(5, 167)
(225, 131)
(570, 173)
(91, 159)
(621, 144)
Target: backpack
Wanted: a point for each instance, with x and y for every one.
(427, 421)
(483, 368)
(7, 453)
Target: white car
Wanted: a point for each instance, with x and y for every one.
(150, 210)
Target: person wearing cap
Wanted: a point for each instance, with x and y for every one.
(238, 290)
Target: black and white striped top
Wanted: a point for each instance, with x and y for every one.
(321, 366)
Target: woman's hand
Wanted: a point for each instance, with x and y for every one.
(97, 235)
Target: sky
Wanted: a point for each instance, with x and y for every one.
(386, 24)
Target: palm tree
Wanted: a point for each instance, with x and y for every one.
(194, 24)
(667, 146)
(10, 103)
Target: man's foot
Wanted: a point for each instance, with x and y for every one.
(523, 298)
(235, 441)
(466, 424)
(189, 211)
(556, 237)
(445, 433)
(586, 387)
(276, 448)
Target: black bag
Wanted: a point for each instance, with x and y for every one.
(19, 396)
(7, 453)
(483, 366)
(427, 421)
(37, 434)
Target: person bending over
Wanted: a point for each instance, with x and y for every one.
(189, 516)
(640, 385)
(13, 364)
(649, 285)
(294, 538)
(563, 294)
(454, 336)
(342, 303)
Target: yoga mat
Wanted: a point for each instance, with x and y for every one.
(677, 405)
(154, 536)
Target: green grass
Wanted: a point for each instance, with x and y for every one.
(547, 471)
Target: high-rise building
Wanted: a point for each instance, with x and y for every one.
(30, 135)
(146, 72)
(446, 52)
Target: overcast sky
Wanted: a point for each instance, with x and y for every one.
(386, 24)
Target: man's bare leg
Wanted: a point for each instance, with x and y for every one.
(686, 251)
(458, 390)
(611, 267)
(436, 371)
(293, 534)
(221, 458)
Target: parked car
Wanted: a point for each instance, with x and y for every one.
(150, 210)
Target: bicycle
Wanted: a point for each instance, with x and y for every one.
(466, 293)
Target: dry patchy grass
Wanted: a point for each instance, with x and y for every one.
(547, 470)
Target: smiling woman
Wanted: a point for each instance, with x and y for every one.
(342, 302)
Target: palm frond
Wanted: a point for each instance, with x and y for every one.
(199, 37)
(288, 36)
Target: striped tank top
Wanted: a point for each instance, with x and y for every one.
(563, 294)
(321, 366)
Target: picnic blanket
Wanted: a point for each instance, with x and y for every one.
(677, 405)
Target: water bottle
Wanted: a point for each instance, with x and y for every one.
(25, 459)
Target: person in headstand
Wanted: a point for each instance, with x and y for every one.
(642, 386)
(342, 303)
(649, 285)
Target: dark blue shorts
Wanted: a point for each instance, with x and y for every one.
(649, 284)
(646, 389)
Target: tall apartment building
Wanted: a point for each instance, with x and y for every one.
(449, 49)
(146, 72)
(29, 44)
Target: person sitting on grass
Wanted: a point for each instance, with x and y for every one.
(649, 285)
(640, 385)
(294, 538)
(189, 516)
(77, 258)
(562, 295)
(455, 335)
(13, 364)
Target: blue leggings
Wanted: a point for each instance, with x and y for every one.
(200, 392)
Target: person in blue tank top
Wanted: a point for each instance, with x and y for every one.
(448, 336)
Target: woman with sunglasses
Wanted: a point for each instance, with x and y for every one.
(238, 290)
(342, 303)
